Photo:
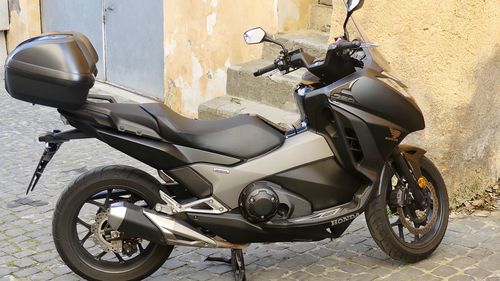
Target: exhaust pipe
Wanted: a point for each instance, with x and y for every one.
(135, 221)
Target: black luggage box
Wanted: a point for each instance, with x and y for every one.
(55, 69)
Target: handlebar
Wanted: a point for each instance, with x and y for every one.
(296, 59)
(344, 44)
(265, 69)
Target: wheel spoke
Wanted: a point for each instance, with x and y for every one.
(119, 257)
(397, 222)
(401, 234)
(108, 196)
(85, 238)
(99, 257)
(80, 221)
(98, 204)
(103, 200)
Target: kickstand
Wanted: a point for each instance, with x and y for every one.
(236, 261)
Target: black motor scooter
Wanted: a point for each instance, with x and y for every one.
(240, 180)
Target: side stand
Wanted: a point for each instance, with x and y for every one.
(236, 261)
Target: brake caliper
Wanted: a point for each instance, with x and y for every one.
(433, 206)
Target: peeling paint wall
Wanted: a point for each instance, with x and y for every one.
(449, 54)
(24, 21)
(204, 37)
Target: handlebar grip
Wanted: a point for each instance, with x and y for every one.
(343, 44)
(265, 69)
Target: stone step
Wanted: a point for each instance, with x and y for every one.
(228, 106)
(271, 89)
(313, 42)
(321, 17)
(326, 2)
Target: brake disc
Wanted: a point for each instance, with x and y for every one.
(408, 224)
(101, 238)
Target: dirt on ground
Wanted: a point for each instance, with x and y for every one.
(481, 204)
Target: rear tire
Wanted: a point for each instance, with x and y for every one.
(66, 215)
(384, 235)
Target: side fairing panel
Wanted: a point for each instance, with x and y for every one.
(299, 150)
(324, 183)
(379, 99)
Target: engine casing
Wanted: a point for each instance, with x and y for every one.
(259, 202)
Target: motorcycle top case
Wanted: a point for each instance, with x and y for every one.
(56, 69)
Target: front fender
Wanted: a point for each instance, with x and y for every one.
(413, 155)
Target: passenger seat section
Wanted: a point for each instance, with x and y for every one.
(128, 118)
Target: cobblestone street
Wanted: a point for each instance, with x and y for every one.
(470, 250)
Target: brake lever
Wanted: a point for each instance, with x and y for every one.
(368, 45)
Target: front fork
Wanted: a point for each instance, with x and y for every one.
(406, 168)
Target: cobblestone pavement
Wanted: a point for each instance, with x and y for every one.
(470, 250)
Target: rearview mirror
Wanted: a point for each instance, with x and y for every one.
(353, 5)
(254, 36)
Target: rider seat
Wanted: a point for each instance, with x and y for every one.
(242, 136)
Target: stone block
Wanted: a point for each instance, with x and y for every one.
(274, 89)
(314, 43)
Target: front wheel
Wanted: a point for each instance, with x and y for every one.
(83, 237)
(404, 232)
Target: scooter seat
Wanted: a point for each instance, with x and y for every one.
(242, 136)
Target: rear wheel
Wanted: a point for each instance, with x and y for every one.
(86, 242)
(407, 233)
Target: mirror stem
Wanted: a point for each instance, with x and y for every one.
(346, 34)
(268, 39)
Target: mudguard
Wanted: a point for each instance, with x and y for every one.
(413, 155)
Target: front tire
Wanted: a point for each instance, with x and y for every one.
(74, 218)
(395, 242)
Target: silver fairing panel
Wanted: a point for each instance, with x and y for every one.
(228, 182)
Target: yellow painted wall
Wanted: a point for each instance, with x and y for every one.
(24, 21)
(449, 53)
(293, 14)
(202, 38)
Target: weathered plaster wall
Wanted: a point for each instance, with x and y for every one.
(24, 21)
(202, 38)
(449, 54)
(293, 14)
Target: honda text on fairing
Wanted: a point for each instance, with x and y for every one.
(240, 180)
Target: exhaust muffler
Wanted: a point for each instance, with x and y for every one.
(135, 221)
